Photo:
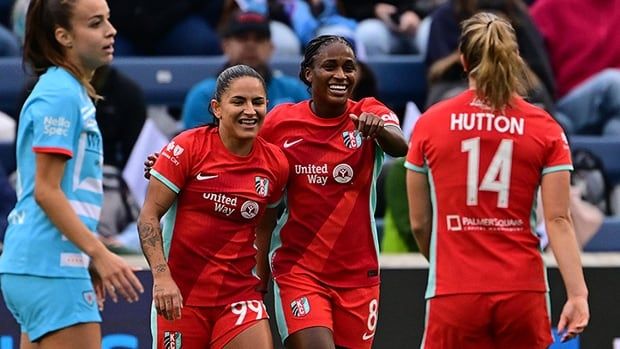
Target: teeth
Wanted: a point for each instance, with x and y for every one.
(248, 121)
(338, 87)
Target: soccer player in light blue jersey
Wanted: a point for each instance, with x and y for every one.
(49, 243)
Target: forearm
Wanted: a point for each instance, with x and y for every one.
(423, 239)
(152, 245)
(392, 141)
(58, 209)
(263, 239)
(564, 245)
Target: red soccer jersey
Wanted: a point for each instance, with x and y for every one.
(209, 232)
(328, 229)
(484, 171)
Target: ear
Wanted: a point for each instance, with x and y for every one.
(462, 58)
(216, 108)
(64, 37)
(308, 75)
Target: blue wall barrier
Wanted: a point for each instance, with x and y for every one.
(401, 312)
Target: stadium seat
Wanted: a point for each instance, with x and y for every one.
(607, 239)
(606, 148)
(166, 80)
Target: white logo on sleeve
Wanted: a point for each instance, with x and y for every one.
(200, 177)
(288, 143)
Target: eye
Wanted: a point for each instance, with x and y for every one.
(350, 67)
(258, 101)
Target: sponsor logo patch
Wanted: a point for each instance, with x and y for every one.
(249, 209)
(342, 173)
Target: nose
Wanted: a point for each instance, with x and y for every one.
(339, 73)
(111, 30)
(249, 108)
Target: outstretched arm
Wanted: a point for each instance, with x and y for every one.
(555, 197)
(390, 138)
(166, 295)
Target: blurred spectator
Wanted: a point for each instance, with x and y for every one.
(446, 74)
(18, 18)
(162, 27)
(583, 42)
(385, 27)
(246, 39)
(312, 18)
(285, 40)
(9, 44)
(120, 115)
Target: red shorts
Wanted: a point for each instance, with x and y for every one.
(208, 327)
(488, 321)
(350, 313)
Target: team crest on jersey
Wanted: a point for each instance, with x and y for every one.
(300, 307)
(174, 148)
(89, 297)
(352, 139)
(262, 185)
(172, 340)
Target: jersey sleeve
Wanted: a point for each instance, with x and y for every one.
(415, 155)
(56, 120)
(174, 164)
(372, 105)
(558, 156)
(280, 185)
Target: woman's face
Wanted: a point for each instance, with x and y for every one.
(333, 74)
(242, 108)
(90, 42)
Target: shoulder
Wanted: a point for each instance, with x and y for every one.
(195, 136)
(281, 110)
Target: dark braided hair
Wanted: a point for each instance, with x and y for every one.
(312, 49)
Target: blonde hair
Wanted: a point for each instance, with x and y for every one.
(489, 47)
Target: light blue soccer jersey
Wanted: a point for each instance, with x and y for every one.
(58, 117)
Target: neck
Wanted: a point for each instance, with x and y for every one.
(239, 147)
(327, 111)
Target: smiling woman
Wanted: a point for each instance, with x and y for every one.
(59, 166)
(324, 252)
(222, 178)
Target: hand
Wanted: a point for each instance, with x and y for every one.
(384, 12)
(98, 286)
(167, 297)
(368, 124)
(574, 318)
(409, 22)
(148, 164)
(116, 276)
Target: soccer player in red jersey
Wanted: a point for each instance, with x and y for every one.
(324, 249)
(215, 183)
(476, 163)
